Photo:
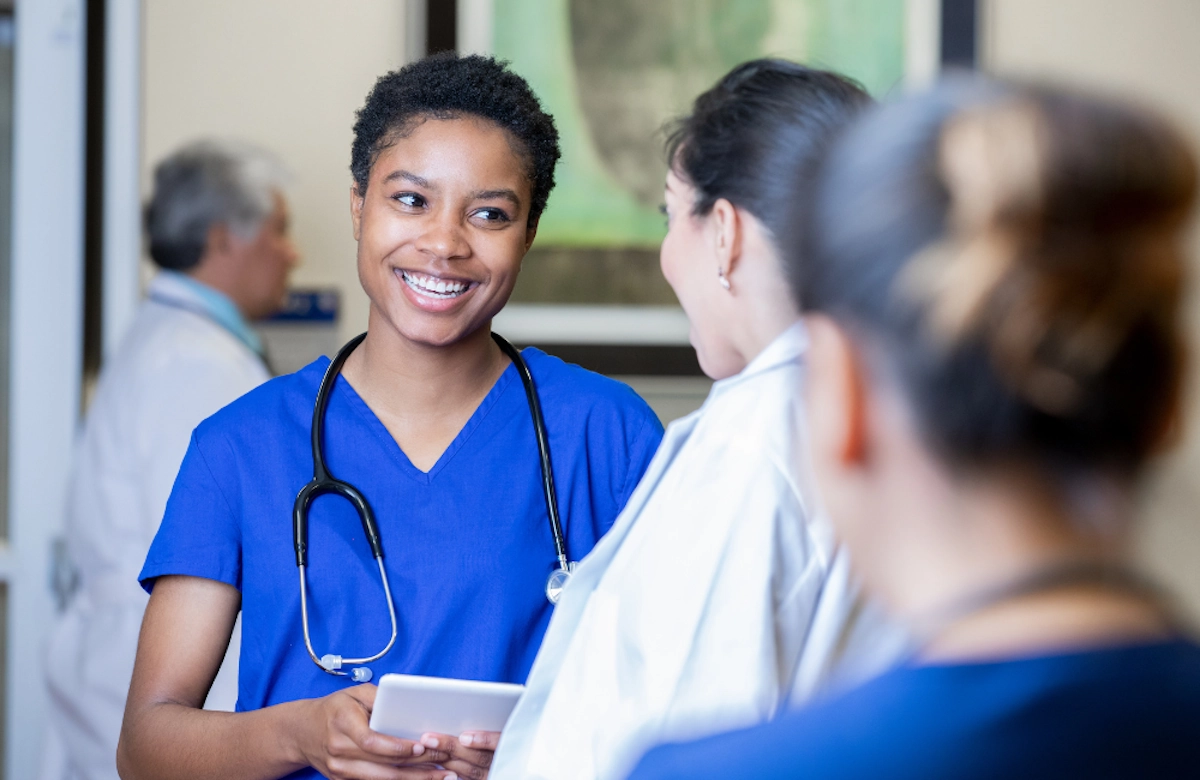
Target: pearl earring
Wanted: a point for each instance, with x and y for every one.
(721, 279)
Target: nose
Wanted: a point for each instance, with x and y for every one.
(443, 238)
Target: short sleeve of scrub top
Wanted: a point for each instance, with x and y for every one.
(467, 545)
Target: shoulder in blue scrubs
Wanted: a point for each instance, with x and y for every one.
(467, 545)
(1118, 712)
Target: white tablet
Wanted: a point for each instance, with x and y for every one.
(408, 706)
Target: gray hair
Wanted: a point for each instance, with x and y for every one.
(209, 183)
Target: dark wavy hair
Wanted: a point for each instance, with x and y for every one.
(756, 136)
(447, 86)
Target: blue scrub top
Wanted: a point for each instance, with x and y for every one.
(1122, 712)
(467, 545)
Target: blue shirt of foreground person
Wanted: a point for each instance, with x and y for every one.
(993, 284)
(429, 420)
(1123, 712)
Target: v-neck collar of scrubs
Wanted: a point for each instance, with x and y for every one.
(393, 448)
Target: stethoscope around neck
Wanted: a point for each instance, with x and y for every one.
(323, 482)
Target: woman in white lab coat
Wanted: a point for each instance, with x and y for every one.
(217, 225)
(995, 280)
(720, 595)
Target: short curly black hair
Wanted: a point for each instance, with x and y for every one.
(446, 86)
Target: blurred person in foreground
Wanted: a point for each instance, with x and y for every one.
(217, 225)
(720, 595)
(993, 277)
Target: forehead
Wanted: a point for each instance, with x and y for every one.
(467, 148)
(677, 186)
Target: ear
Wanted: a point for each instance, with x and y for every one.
(356, 207)
(838, 408)
(531, 233)
(219, 240)
(727, 235)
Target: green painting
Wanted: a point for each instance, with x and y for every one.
(612, 72)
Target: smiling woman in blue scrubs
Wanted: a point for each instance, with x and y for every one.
(452, 161)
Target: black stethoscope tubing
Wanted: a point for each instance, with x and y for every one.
(543, 445)
(323, 482)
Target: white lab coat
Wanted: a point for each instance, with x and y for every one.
(718, 594)
(174, 368)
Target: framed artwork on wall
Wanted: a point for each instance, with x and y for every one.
(613, 72)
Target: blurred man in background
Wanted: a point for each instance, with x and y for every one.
(217, 226)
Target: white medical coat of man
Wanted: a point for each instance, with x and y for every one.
(176, 367)
(718, 595)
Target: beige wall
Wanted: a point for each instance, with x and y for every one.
(287, 75)
(1146, 50)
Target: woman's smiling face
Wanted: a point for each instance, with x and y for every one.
(442, 228)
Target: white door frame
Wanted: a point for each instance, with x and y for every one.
(45, 342)
(122, 249)
(47, 307)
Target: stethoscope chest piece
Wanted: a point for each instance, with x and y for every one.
(558, 580)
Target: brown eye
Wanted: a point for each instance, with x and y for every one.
(493, 215)
(410, 199)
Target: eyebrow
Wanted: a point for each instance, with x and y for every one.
(420, 181)
(508, 195)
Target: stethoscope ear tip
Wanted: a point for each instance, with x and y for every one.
(333, 664)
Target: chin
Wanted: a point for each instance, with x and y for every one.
(714, 368)
(419, 330)
(436, 340)
(714, 373)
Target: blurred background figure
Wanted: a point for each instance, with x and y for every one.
(994, 277)
(217, 228)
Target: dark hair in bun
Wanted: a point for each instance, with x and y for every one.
(755, 137)
(1016, 253)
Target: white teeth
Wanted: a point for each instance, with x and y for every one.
(430, 285)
